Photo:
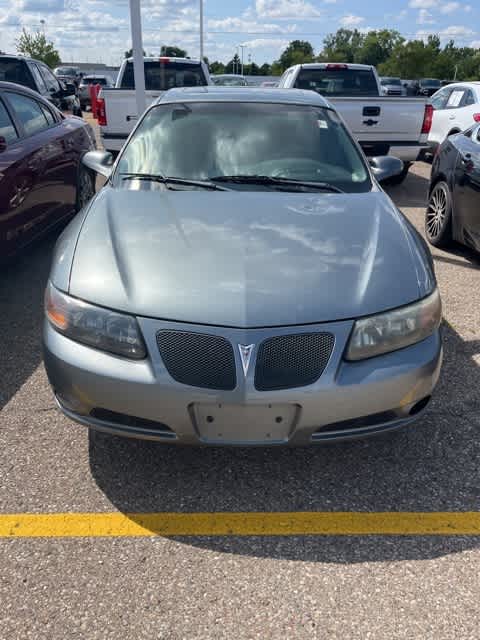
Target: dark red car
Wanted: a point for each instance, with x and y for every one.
(42, 181)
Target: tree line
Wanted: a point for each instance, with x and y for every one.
(386, 49)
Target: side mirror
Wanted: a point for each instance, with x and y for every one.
(70, 89)
(384, 167)
(99, 161)
(3, 144)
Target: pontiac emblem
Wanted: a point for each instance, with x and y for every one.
(245, 356)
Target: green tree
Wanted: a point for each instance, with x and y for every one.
(172, 51)
(297, 52)
(377, 46)
(234, 66)
(276, 68)
(342, 46)
(216, 67)
(35, 45)
(129, 53)
(264, 70)
(252, 69)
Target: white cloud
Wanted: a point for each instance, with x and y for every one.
(450, 7)
(456, 31)
(351, 20)
(475, 44)
(264, 43)
(467, 8)
(235, 24)
(422, 4)
(425, 17)
(281, 9)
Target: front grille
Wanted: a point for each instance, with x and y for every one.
(198, 359)
(285, 362)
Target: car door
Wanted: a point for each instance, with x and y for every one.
(467, 186)
(439, 129)
(48, 176)
(14, 214)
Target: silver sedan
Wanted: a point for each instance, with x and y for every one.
(242, 279)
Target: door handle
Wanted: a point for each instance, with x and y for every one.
(467, 158)
(452, 117)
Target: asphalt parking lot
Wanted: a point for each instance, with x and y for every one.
(283, 586)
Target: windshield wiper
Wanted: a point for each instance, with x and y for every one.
(269, 180)
(167, 180)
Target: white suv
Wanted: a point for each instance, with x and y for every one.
(456, 108)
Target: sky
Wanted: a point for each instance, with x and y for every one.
(99, 30)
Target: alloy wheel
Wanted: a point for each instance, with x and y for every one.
(437, 211)
(85, 189)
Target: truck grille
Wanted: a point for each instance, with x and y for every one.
(198, 359)
(285, 362)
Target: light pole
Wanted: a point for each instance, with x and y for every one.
(242, 47)
(138, 64)
(201, 30)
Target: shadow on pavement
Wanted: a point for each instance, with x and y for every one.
(471, 259)
(432, 466)
(22, 283)
(413, 192)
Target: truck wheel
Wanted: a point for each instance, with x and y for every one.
(85, 187)
(438, 217)
(396, 180)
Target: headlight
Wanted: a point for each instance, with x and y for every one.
(395, 329)
(96, 327)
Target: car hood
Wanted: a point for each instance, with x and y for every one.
(247, 259)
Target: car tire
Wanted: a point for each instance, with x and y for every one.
(396, 180)
(438, 217)
(85, 187)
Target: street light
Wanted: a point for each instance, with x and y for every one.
(201, 30)
(242, 47)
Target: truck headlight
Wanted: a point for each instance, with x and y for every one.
(94, 326)
(395, 329)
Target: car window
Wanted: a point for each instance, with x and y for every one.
(439, 100)
(455, 98)
(42, 87)
(50, 80)
(204, 140)
(29, 112)
(468, 99)
(14, 70)
(7, 128)
(48, 115)
(161, 75)
(338, 81)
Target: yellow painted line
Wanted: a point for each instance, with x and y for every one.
(332, 523)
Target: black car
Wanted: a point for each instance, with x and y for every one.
(35, 75)
(428, 86)
(453, 211)
(69, 74)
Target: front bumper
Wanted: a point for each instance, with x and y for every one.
(140, 399)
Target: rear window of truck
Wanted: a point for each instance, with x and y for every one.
(338, 82)
(14, 70)
(165, 75)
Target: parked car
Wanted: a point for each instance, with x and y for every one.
(382, 125)
(42, 179)
(86, 83)
(392, 87)
(230, 80)
(242, 279)
(117, 106)
(456, 108)
(454, 197)
(69, 74)
(428, 86)
(37, 76)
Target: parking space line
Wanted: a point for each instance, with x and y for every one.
(331, 523)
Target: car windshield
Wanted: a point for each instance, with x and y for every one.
(430, 82)
(163, 75)
(89, 81)
(205, 140)
(391, 81)
(65, 71)
(226, 81)
(338, 81)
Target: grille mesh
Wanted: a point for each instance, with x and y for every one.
(285, 362)
(198, 359)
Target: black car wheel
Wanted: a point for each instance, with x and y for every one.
(85, 187)
(438, 217)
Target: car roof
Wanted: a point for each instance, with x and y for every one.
(243, 94)
(324, 65)
(170, 58)
(20, 88)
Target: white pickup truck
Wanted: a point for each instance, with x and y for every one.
(117, 107)
(382, 125)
